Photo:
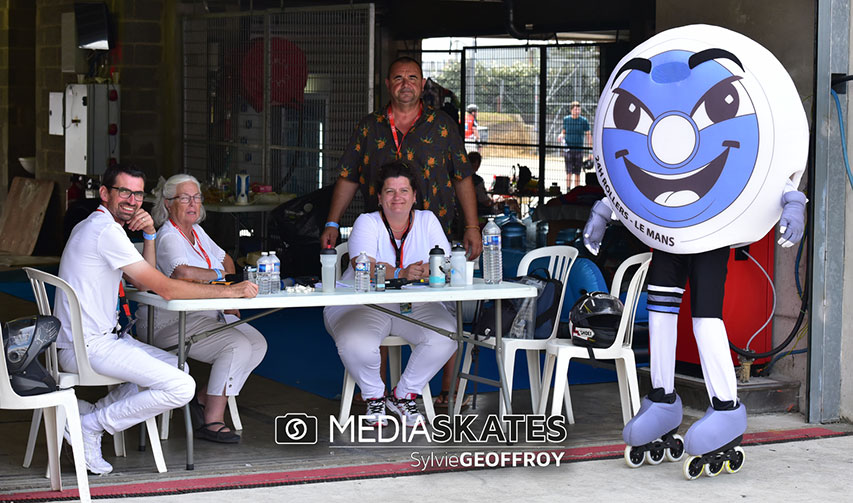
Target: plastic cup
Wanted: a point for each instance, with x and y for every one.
(469, 272)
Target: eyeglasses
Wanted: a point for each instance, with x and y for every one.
(186, 198)
(124, 193)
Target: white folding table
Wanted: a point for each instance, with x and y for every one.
(347, 297)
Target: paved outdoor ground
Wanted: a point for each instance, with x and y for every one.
(811, 470)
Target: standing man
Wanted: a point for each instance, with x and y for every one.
(577, 137)
(472, 132)
(426, 139)
(96, 256)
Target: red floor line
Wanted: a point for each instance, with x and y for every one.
(366, 471)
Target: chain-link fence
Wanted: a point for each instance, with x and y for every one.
(275, 95)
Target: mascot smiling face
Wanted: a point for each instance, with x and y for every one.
(701, 128)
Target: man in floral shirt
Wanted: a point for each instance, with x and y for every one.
(426, 139)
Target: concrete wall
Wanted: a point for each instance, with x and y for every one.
(146, 61)
(17, 93)
(847, 317)
(787, 29)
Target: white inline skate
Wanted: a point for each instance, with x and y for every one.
(713, 441)
(651, 434)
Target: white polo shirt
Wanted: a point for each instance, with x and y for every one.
(91, 263)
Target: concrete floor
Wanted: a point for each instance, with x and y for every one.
(598, 423)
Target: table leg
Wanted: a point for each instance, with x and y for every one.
(499, 355)
(143, 431)
(457, 361)
(182, 358)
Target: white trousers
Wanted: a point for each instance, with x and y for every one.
(358, 331)
(714, 355)
(233, 353)
(140, 365)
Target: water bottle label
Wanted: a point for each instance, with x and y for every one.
(491, 240)
(262, 268)
(437, 280)
(361, 266)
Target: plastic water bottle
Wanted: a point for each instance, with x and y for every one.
(362, 273)
(264, 274)
(492, 259)
(275, 273)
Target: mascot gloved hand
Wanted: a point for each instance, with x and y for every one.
(593, 231)
(792, 223)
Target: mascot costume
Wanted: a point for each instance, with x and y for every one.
(700, 143)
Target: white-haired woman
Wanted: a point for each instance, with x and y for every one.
(185, 251)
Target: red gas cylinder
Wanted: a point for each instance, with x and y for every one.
(747, 305)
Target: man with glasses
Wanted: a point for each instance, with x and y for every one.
(96, 256)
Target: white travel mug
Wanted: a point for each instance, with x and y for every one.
(241, 188)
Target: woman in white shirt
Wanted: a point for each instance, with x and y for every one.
(399, 237)
(185, 251)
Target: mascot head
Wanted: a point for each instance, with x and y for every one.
(697, 131)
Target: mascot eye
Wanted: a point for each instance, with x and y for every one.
(722, 102)
(629, 113)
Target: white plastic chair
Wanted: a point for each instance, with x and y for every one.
(51, 404)
(85, 376)
(560, 262)
(394, 343)
(559, 352)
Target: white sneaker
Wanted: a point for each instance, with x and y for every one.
(95, 461)
(375, 412)
(405, 407)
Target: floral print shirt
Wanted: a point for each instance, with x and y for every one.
(432, 148)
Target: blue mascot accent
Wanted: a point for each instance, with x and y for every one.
(680, 144)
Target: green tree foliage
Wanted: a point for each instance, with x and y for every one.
(506, 80)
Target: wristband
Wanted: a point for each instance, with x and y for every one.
(473, 227)
(149, 237)
(219, 276)
(333, 224)
(397, 273)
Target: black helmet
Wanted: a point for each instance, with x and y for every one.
(471, 108)
(594, 320)
(23, 340)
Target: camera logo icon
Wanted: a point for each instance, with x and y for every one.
(296, 428)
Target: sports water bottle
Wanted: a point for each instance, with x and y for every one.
(492, 259)
(275, 273)
(264, 274)
(437, 276)
(362, 273)
(458, 264)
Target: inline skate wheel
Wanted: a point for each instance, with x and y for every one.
(692, 467)
(734, 465)
(633, 456)
(654, 456)
(674, 454)
(714, 468)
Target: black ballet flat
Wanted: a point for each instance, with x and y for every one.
(223, 437)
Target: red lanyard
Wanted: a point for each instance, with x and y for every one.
(121, 297)
(203, 253)
(398, 249)
(399, 142)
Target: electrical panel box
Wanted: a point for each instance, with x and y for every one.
(91, 126)
(54, 120)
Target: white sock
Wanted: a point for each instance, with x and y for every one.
(663, 334)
